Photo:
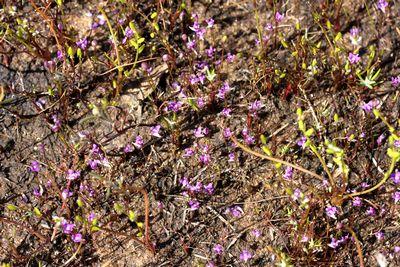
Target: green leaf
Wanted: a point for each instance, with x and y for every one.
(79, 202)
(37, 212)
(302, 126)
(118, 208)
(132, 216)
(309, 132)
(263, 139)
(394, 154)
(153, 15)
(95, 228)
(266, 150)
(12, 207)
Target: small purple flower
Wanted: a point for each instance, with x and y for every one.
(296, 194)
(382, 5)
(245, 255)
(396, 196)
(60, 55)
(371, 211)
(91, 216)
(227, 133)
(395, 81)
(379, 235)
(278, 17)
(155, 131)
(138, 142)
(396, 249)
(128, 148)
(193, 79)
(396, 143)
(223, 91)
(230, 58)
(174, 106)
(201, 132)
(380, 139)
(35, 166)
(231, 157)
(218, 249)
(201, 102)
(67, 227)
(331, 211)
(357, 202)
(334, 243)
(66, 194)
(188, 153)
(184, 182)
(354, 58)
(205, 159)
(37, 192)
(77, 238)
(368, 107)
(255, 106)
(302, 142)
(304, 239)
(256, 233)
(226, 112)
(72, 175)
(354, 31)
(235, 211)
(249, 140)
(191, 44)
(57, 124)
(396, 176)
(210, 22)
(94, 163)
(209, 189)
(194, 204)
(82, 43)
(288, 173)
(210, 52)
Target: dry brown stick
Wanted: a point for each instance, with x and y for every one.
(358, 246)
(27, 228)
(250, 151)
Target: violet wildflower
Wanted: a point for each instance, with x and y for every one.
(223, 91)
(302, 142)
(218, 249)
(174, 106)
(188, 153)
(205, 159)
(91, 216)
(396, 196)
(35, 166)
(209, 189)
(368, 107)
(354, 36)
(196, 188)
(155, 131)
(354, 31)
(396, 249)
(231, 157)
(210, 52)
(226, 112)
(296, 194)
(227, 133)
(382, 5)
(66, 194)
(60, 55)
(193, 79)
(67, 227)
(201, 132)
(57, 124)
(37, 192)
(194, 204)
(249, 140)
(395, 81)
(201, 78)
(245, 255)
(200, 102)
(357, 202)
(396, 143)
(184, 182)
(278, 17)
(331, 211)
(210, 22)
(379, 235)
(255, 106)
(94, 163)
(334, 243)
(82, 43)
(77, 238)
(230, 58)
(191, 44)
(235, 211)
(304, 239)
(371, 211)
(396, 176)
(128, 149)
(138, 142)
(380, 139)
(72, 175)
(354, 58)
(288, 173)
(256, 233)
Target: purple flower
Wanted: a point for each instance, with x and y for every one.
(138, 142)
(245, 255)
(395, 81)
(155, 130)
(354, 58)
(396, 176)
(60, 55)
(72, 175)
(91, 216)
(191, 44)
(226, 112)
(82, 43)
(249, 140)
(331, 211)
(256, 233)
(227, 133)
(380, 139)
(174, 105)
(278, 17)
(368, 107)
(223, 91)
(196, 188)
(188, 153)
(396, 143)
(357, 202)
(66, 194)
(235, 211)
(201, 132)
(209, 189)
(304, 239)
(288, 173)
(184, 182)
(67, 227)
(35, 166)
(334, 243)
(200, 102)
(379, 235)
(354, 31)
(205, 159)
(128, 148)
(231, 157)
(94, 163)
(302, 141)
(210, 52)
(77, 238)
(382, 5)
(218, 249)
(396, 196)
(57, 124)
(396, 249)
(37, 192)
(193, 79)
(194, 204)
(255, 106)
(230, 58)
(210, 22)
(296, 194)
(371, 211)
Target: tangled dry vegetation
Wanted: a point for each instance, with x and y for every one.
(199, 133)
